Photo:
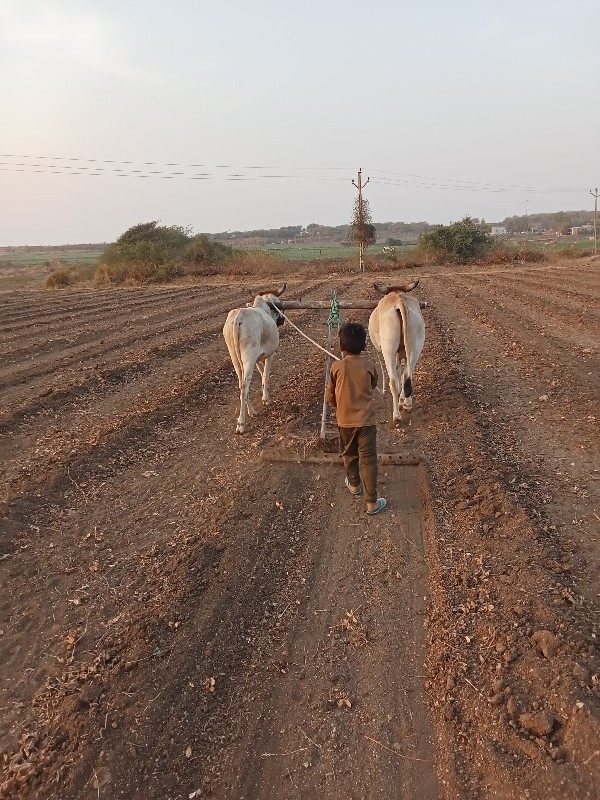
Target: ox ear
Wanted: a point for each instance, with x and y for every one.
(381, 288)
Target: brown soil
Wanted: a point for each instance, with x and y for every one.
(180, 619)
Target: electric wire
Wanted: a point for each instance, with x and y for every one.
(77, 166)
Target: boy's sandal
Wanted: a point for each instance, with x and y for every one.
(382, 504)
(355, 493)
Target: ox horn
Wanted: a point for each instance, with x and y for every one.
(274, 291)
(384, 289)
(381, 288)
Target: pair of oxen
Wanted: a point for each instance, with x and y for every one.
(396, 329)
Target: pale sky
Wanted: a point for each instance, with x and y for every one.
(451, 107)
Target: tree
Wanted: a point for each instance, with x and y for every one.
(362, 231)
(148, 243)
(460, 242)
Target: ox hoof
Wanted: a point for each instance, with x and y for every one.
(240, 429)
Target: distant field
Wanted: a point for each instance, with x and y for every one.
(309, 250)
(566, 244)
(41, 256)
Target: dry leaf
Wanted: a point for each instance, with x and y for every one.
(188, 752)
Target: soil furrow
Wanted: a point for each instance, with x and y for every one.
(534, 337)
(138, 330)
(570, 310)
(54, 313)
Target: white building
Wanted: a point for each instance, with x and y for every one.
(498, 230)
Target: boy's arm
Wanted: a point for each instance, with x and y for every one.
(374, 378)
(330, 393)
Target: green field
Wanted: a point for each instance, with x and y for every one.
(309, 250)
(42, 256)
(564, 244)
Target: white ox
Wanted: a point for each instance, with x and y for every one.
(252, 337)
(397, 330)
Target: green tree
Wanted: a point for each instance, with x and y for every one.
(148, 243)
(201, 252)
(459, 242)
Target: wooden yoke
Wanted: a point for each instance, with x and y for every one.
(293, 305)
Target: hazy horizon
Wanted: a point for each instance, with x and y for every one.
(255, 116)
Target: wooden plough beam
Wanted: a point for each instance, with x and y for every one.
(279, 454)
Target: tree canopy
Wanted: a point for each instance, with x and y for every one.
(460, 242)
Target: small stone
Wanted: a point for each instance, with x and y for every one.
(512, 708)
(539, 723)
(87, 695)
(547, 643)
(497, 685)
(559, 754)
(496, 699)
(529, 748)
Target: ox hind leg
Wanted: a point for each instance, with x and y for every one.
(405, 398)
(245, 405)
(239, 371)
(392, 371)
(265, 372)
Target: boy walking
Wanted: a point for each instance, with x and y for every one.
(350, 391)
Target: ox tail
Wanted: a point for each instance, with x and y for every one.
(403, 314)
(236, 347)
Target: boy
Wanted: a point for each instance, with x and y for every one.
(350, 391)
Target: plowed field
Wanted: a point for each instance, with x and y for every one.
(180, 619)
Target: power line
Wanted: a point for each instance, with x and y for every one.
(167, 164)
(50, 169)
(466, 186)
(78, 166)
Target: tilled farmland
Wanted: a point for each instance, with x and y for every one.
(182, 619)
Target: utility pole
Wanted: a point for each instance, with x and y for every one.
(361, 244)
(595, 196)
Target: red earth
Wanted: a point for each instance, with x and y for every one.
(181, 619)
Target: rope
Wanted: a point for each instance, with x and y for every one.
(333, 355)
(312, 341)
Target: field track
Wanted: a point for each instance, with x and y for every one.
(179, 619)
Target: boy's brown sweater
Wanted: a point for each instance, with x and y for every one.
(350, 391)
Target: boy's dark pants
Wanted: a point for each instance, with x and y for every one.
(359, 449)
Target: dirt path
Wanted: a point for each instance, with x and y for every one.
(180, 619)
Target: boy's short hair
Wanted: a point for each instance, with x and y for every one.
(353, 338)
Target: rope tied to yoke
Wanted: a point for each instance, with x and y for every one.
(334, 315)
(333, 319)
(306, 336)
